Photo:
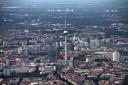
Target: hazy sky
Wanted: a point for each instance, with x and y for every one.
(99, 2)
(69, 1)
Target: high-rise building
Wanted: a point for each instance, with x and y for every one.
(71, 62)
(116, 56)
(19, 50)
(6, 71)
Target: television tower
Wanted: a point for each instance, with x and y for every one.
(65, 34)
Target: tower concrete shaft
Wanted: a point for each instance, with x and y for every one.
(65, 57)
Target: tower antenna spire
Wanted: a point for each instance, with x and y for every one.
(65, 21)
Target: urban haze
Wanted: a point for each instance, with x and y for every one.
(63, 42)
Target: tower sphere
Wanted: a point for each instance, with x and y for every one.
(65, 32)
